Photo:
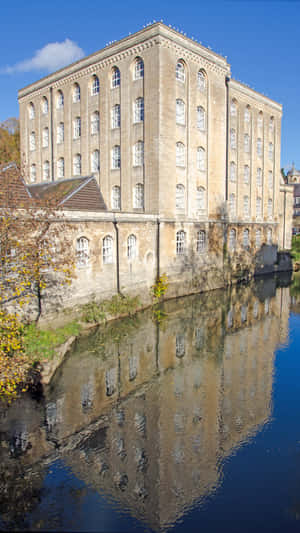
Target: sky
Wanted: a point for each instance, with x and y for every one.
(261, 40)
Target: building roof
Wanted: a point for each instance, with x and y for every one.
(80, 194)
(13, 190)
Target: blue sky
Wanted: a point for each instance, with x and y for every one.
(260, 38)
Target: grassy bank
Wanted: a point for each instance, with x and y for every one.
(295, 253)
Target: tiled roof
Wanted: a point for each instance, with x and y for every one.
(82, 193)
(13, 190)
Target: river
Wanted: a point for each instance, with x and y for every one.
(190, 423)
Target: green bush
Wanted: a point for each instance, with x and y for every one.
(40, 344)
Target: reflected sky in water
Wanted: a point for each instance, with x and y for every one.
(187, 425)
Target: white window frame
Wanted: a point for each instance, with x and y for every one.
(246, 206)
(139, 110)
(107, 250)
(32, 141)
(59, 100)
(82, 252)
(116, 197)
(180, 72)
(232, 205)
(180, 197)
(260, 121)
(95, 161)
(115, 78)
(180, 242)
(271, 151)
(31, 111)
(60, 168)
(138, 68)
(77, 164)
(131, 247)
(201, 81)
(233, 139)
(258, 238)
(259, 179)
(33, 173)
(247, 115)
(95, 123)
(201, 159)
(270, 179)
(45, 106)
(60, 133)
(77, 128)
(270, 208)
(246, 174)
(180, 112)
(232, 173)
(76, 93)
(200, 199)
(46, 171)
(95, 87)
(269, 236)
(246, 238)
(116, 157)
(116, 116)
(180, 154)
(45, 138)
(258, 207)
(201, 241)
(201, 118)
(259, 147)
(138, 196)
(138, 154)
(246, 143)
(232, 239)
(233, 108)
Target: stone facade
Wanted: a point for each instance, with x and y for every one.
(175, 144)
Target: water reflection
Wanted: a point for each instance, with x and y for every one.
(146, 413)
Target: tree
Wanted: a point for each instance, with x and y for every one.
(10, 141)
(34, 259)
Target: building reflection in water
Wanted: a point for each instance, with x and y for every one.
(146, 413)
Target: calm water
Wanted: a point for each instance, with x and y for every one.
(192, 424)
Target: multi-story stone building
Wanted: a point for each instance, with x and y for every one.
(177, 147)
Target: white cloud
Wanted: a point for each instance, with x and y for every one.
(51, 57)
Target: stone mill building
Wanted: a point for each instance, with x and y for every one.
(185, 162)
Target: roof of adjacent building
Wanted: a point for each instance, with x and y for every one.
(13, 189)
(80, 194)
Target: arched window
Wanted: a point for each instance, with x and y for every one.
(115, 77)
(259, 177)
(95, 161)
(59, 100)
(200, 199)
(232, 171)
(116, 197)
(201, 241)
(269, 236)
(31, 111)
(138, 196)
(180, 242)
(77, 128)
(116, 157)
(46, 171)
(33, 173)
(271, 126)
(246, 206)
(260, 120)
(82, 252)
(258, 207)
(233, 139)
(201, 162)
(233, 108)
(60, 133)
(247, 115)
(232, 205)
(138, 69)
(32, 144)
(180, 197)
(271, 151)
(270, 207)
(107, 250)
(259, 147)
(257, 238)
(77, 165)
(95, 87)
(95, 123)
(76, 93)
(45, 107)
(131, 247)
(201, 80)
(45, 140)
(180, 154)
(232, 239)
(246, 174)
(201, 118)
(138, 154)
(139, 110)
(246, 143)
(180, 71)
(61, 168)
(116, 116)
(246, 238)
(270, 179)
(180, 112)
